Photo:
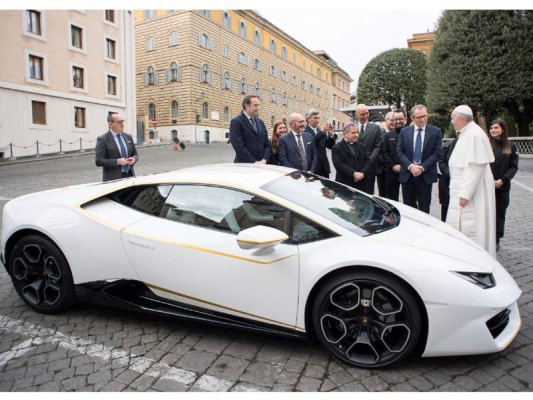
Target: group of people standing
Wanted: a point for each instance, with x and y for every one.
(474, 170)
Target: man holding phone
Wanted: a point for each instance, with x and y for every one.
(115, 150)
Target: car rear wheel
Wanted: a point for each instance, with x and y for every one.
(41, 275)
(367, 319)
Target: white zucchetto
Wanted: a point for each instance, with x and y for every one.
(464, 109)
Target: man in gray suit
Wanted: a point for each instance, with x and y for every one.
(115, 150)
(370, 136)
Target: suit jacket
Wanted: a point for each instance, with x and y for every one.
(107, 154)
(372, 140)
(347, 162)
(289, 156)
(322, 141)
(249, 145)
(431, 152)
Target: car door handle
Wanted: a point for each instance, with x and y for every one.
(141, 243)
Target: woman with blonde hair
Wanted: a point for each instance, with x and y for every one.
(280, 129)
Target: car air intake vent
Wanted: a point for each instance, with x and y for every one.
(498, 323)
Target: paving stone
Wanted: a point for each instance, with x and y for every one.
(63, 374)
(403, 387)
(213, 344)
(6, 385)
(374, 383)
(196, 360)
(466, 383)
(180, 349)
(315, 371)
(248, 387)
(436, 377)
(327, 385)
(262, 374)
(480, 376)
(22, 383)
(243, 349)
(169, 385)
(50, 387)
(226, 367)
(420, 383)
(524, 373)
(143, 383)
(352, 387)
(286, 377)
(208, 383)
(392, 376)
(127, 377)
(36, 370)
(283, 387)
(59, 365)
(341, 377)
(274, 353)
(43, 378)
(320, 358)
(100, 376)
(294, 366)
(75, 383)
(308, 384)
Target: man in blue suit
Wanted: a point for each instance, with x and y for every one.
(324, 138)
(248, 134)
(297, 148)
(419, 150)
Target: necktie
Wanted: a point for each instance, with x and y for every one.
(254, 125)
(123, 152)
(417, 157)
(302, 152)
(362, 130)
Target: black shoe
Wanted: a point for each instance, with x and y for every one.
(498, 245)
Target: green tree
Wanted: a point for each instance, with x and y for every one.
(483, 58)
(395, 77)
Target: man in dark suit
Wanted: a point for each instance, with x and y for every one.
(350, 159)
(248, 134)
(115, 150)
(381, 172)
(324, 138)
(389, 157)
(419, 150)
(444, 178)
(297, 148)
(370, 136)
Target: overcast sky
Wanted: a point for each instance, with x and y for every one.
(353, 37)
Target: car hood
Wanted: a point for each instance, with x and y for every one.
(419, 231)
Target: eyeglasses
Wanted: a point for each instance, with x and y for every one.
(420, 117)
(119, 121)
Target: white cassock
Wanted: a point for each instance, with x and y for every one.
(472, 179)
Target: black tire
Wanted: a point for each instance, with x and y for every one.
(41, 275)
(367, 319)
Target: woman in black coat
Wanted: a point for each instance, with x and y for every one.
(503, 169)
(280, 129)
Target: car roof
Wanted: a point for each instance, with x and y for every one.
(250, 175)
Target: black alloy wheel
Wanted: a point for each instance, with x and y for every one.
(367, 319)
(41, 275)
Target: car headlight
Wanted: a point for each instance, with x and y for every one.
(484, 281)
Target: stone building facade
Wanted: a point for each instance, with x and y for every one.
(194, 67)
(62, 72)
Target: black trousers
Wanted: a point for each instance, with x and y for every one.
(382, 186)
(502, 202)
(417, 193)
(444, 196)
(370, 181)
(393, 185)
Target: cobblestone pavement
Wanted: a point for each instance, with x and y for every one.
(90, 348)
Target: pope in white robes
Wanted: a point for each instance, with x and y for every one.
(472, 208)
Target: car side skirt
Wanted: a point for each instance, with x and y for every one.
(136, 296)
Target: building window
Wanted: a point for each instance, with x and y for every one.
(206, 13)
(295, 101)
(303, 64)
(304, 85)
(151, 76)
(149, 14)
(311, 68)
(226, 50)
(319, 73)
(110, 46)
(273, 95)
(76, 36)
(284, 52)
(242, 29)
(77, 77)
(284, 76)
(257, 37)
(285, 101)
(243, 59)
(205, 110)
(242, 86)
(110, 16)
(36, 67)
(327, 76)
(111, 85)
(272, 70)
(311, 88)
(205, 41)
(79, 117)
(294, 57)
(257, 65)
(174, 39)
(150, 44)
(174, 72)
(257, 89)
(272, 122)
(151, 111)
(226, 114)
(38, 111)
(226, 20)
(294, 81)
(205, 74)
(33, 22)
(174, 110)
(273, 48)
(318, 92)
(226, 81)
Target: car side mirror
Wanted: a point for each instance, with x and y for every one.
(260, 237)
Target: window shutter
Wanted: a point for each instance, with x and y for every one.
(209, 44)
(145, 79)
(210, 77)
(179, 73)
(200, 39)
(155, 77)
(168, 75)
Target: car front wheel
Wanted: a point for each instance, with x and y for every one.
(367, 319)
(41, 274)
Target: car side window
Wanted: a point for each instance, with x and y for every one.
(302, 230)
(222, 209)
(147, 199)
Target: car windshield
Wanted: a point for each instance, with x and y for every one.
(353, 210)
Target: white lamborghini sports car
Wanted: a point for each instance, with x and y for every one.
(269, 249)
